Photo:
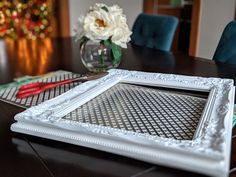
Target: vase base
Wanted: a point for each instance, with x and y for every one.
(97, 67)
(97, 57)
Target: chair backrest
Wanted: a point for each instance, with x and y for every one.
(154, 31)
(226, 49)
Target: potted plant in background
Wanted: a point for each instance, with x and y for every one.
(102, 33)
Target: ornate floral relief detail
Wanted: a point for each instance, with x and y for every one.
(211, 142)
(44, 112)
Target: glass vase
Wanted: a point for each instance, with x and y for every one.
(97, 57)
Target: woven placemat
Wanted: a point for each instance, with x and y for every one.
(8, 91)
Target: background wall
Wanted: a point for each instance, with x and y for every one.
(215, 14)
(131, 9)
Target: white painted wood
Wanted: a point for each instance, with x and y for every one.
(208, 152)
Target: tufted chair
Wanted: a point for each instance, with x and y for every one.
(226, 49)
(154, 31)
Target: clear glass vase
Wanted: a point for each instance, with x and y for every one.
(97, 57)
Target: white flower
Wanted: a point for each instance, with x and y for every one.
(98, 25)
(121, 36)
(115, 9)
(104, 22)
(121, 33)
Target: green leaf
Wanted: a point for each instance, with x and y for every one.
(106, 42)
(83, 40)
(105, 8)
(117, 52)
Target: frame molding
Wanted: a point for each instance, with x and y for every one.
(207, 153)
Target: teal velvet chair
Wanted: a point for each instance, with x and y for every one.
(226, 49)
(154, 31)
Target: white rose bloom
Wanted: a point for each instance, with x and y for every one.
(121, 33)
(98, 25)
(115, 9)
(121, 36)
(103, 22)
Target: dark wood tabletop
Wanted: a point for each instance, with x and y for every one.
(27, 156)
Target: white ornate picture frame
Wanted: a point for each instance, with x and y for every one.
(207, 152)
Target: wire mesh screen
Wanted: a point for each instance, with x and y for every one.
(144, 109)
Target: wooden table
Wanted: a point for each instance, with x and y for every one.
(27, 156)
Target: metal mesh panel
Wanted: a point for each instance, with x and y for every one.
(144, 110)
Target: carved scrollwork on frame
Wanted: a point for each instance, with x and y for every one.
(210, 142)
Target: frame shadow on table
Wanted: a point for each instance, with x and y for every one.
(69, 160)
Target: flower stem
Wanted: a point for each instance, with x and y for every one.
(101, 58)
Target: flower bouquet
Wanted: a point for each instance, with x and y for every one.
(102, 32)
